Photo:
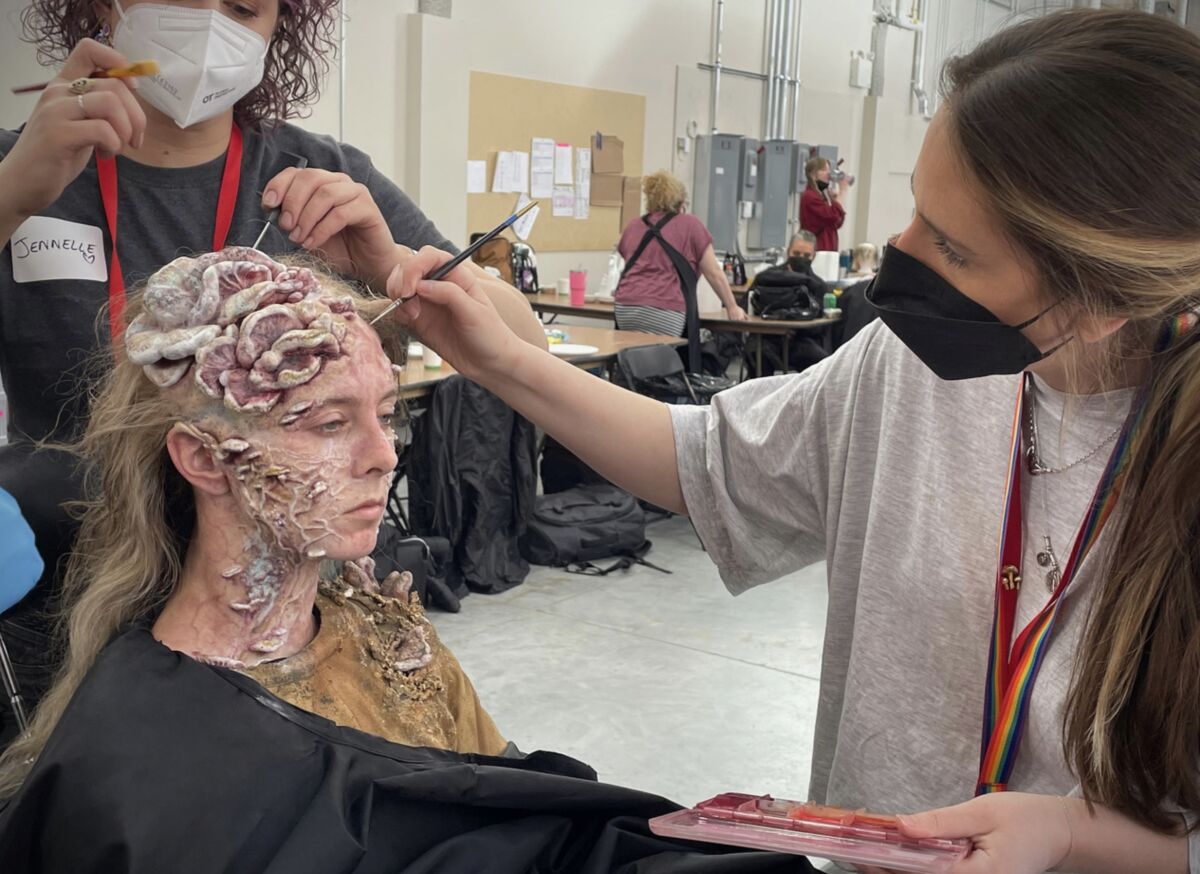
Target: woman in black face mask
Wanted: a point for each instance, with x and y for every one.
(1002, 474)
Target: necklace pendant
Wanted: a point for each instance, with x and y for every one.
(1047, 559)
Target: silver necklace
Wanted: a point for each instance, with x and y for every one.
(1033, 458)
(1047, 559)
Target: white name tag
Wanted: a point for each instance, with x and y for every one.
(49, 248)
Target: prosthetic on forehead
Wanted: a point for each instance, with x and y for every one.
(248, 347)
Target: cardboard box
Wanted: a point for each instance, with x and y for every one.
(608, 155)
(631, 200)
(607, 190)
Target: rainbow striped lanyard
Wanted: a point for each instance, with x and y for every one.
(1012, 671)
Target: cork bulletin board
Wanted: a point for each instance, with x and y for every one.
(507, 112)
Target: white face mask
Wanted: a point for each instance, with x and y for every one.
(207, 62)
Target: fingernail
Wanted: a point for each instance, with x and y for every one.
(271, 200)
(424, 285)
(294, 236)
(285, 221)
(308, 244)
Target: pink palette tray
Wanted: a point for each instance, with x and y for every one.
(854, 837)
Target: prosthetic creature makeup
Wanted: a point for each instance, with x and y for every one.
(290, 395)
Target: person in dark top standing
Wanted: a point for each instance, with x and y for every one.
(822, 207)
(111, 178)
(651, 295)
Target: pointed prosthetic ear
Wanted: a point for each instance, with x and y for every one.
(196, 461)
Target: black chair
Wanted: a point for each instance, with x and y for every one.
(657, 372)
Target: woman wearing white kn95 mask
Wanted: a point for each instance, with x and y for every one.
(109, 179)
(207, 61)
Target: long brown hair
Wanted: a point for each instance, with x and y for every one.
(1081, 128)
(812, 167)
(136, 519)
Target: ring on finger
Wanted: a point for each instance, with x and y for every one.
(82, 108)
(81, 86)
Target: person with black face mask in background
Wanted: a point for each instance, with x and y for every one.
(1001, 474)
(800, 253)
(822, 205)
(796, 274)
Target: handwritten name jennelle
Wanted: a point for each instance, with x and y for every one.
(23, 249)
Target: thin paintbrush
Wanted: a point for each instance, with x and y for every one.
(462, 256)
(140, 68)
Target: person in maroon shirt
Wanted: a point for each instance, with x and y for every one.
(821, 208)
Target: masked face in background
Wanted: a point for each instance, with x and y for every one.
(800, 255)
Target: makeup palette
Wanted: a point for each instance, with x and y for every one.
(853, 837)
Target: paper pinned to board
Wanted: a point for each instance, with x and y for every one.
(476, 177)
(523, 226)
(609, 157)
(520, 173)
(541, 168)
(562, 165)
(583, 183)
(503, 173)
(564, 201)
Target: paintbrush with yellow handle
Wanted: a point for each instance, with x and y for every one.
(130, 71)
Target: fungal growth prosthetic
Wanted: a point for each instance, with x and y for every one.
(253, 327)
(258, 336)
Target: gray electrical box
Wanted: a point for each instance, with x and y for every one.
(829, 152)
(717, 187)
(776, 185)
(800, 179)
(749, 169)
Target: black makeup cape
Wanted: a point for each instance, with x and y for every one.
(161, 764)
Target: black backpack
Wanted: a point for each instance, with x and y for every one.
(785, 294)
(585, 523)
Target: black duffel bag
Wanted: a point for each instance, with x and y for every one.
(582, 524)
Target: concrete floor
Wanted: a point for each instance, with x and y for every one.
(661, 682)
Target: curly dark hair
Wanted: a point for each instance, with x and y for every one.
(297, 60)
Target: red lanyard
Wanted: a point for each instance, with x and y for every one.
(106, 169)
(1013, 670)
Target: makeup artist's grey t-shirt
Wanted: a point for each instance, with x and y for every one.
(896, 479)
(48, 327)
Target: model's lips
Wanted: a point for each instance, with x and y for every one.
(368, 509)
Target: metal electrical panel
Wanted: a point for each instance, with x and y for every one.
(829, 152)
(773, 211)
(717, 186)
(803, 153)
(749, 169)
